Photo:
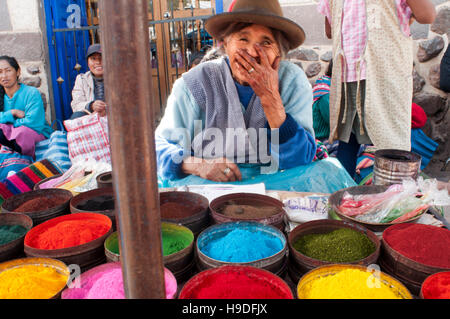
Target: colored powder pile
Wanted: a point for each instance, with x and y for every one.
(112, 244)
(177, 210)
(67, 233)
(99, 203)
(173, 242)
(437, 286)
(347, 284)
(8, 233)
(40, 203)
(254, 211)
(340, 245)
(426, 244)
(241, 245)
(107, 283)
(31, 282)
(237, 285)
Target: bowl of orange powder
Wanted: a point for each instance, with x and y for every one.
(74, 239)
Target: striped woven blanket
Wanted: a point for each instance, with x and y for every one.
(25, 179)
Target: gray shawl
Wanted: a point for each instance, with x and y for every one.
(228, 131)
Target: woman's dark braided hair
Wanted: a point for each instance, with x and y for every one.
(12, 62)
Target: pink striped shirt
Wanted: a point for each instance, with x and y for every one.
(354, 30)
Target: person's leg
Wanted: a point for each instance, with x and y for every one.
(12, 144)
(347, 154)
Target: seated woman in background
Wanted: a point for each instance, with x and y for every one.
(22, 113)
(88, 94)
(246, 114)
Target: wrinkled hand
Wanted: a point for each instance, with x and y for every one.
(263, 78)
(218, 169)
(18, 113)
(99, 107)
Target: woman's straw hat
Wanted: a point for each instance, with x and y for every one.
(264, 12)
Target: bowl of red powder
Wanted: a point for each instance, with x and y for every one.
(236, 282)
(106, 282)
(73, 239)
(41, 205)
(436, 286)
(185, 208)
(412, 252)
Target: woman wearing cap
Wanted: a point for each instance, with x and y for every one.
(225, 115)
(88, 94)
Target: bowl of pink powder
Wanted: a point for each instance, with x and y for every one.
(106, 282)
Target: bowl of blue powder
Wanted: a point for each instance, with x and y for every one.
(242, 243)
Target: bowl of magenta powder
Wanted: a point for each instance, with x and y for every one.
(242, 243)
(41, 205)
(106, 282)
(236, 282)
(13, 228)
(73, 239)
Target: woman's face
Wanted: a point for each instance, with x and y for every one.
(95, 64)
(8, 75)
(245, 40)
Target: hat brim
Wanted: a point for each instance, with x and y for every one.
(292, 31)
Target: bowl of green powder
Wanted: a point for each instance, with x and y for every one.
(323, 242)
(177, 248)
(13, 228)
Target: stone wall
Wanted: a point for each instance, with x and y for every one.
(21, 36)
(430, 43)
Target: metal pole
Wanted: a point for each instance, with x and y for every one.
(126, 57)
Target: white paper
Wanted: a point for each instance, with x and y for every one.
(212, 191)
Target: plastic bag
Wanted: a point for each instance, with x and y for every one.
(81, 177)
(399, 203)
(359, 205)
(304, 209)
(324, 176)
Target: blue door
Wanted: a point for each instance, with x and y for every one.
(68, 39)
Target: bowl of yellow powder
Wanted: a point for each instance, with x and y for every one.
(341, 281)
(33, 278)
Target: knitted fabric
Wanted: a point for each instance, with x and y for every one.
(24, 180)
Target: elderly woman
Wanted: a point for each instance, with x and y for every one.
(246, 114)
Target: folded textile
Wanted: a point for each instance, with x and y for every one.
(25, 179)
(11, 161)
